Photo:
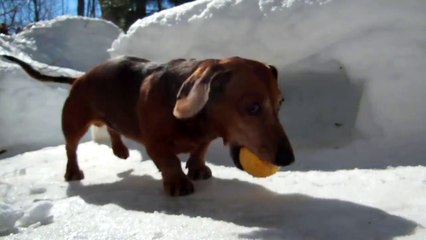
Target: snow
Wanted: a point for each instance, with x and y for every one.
(352, 74)
(37, 213)
(369, 49)
(8, 217)
(124, 199)
(73, 42)
(67, 36)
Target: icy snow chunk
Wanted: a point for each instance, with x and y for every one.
(37, 213)
(8, 217)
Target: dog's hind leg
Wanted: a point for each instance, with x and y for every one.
(197, 169)
(75, 122)
(120, 150)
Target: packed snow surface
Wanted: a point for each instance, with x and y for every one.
(352, 73)
(124, 199)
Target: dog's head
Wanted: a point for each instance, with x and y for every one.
(242, 99)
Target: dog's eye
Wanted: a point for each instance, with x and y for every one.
(254, 109)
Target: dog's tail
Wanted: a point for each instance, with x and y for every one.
(38, 75)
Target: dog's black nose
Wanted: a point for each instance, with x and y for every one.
(284, 157)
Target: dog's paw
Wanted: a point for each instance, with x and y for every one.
(74, 175)
(122, 153)
(201, 173)
(178, 186)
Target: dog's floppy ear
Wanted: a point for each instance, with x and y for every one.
(194, 92)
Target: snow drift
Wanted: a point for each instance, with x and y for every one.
(29, 106)
(72, 42)
(352, 80)
(347, 67)
(351, 71)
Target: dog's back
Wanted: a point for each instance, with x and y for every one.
(111, 92)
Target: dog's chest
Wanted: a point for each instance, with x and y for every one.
(190, 135)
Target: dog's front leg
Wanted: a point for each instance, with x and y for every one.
(196, 165)
(175, 182)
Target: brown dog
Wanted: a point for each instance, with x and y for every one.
(176, 107)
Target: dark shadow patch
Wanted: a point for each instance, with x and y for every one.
(321, 105)
(272, 215)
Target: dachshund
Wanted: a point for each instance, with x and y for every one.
(179, 106)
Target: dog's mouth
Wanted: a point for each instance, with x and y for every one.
(235, 155)
(284, 156)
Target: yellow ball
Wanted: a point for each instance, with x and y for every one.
(255, 166)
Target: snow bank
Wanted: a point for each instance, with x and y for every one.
(348, 68)
(72, 42)
(352, 79)
(31, 110)
(31, 116)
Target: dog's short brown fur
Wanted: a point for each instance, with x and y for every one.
(176, 107)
